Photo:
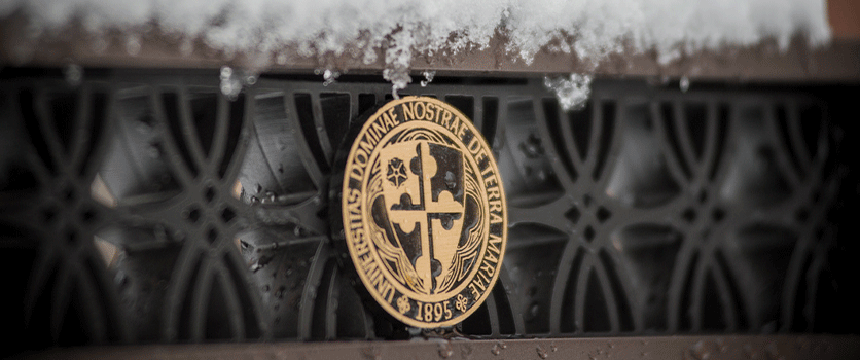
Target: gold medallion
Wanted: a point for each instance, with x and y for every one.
(424, 212)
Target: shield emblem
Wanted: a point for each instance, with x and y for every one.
(424, 193)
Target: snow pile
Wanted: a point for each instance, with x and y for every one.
(589, 29)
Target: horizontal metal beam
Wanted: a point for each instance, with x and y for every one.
(786, 347)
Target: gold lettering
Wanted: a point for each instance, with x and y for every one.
(389, 122)
(430, 112)
(386, 290)
(486, 172)
(374, 274)
(474, 145)
(475, 293)
(462, 131)
(367, 263)
(483, 277)
(377, 128)
(353, 196)
(393, 115)
(496, 241)
(493, 193)
(408, 110)
(446, 116)
(489, 269)
(446, 122)
(477, 281)
(420, 115)
(365, 145)
(489, 255)
(496, 206)
(361, 246)
(456, 124)
(490, 181)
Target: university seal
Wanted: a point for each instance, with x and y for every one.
(424, 213)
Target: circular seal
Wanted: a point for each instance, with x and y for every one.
(424, 212)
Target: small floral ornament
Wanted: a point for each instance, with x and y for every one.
(461, 303)
(402, 304)
(396, 172)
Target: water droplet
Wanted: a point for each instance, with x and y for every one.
(802, 343)
(498, 347)
(132, 46)
(684, 84)
(186, 47)
(751, 354)
(231, 86)
(100, 44)
(721, 345)
(372, 354)
(74, 74)
(160, 233)
(541, 352)
(153, 151)
(32, 31)
(772, 352)
(445, 350)
(699, 351)
(534, 310)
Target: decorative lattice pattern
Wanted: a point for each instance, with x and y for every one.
(140, 208)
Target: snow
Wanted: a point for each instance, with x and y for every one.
(572, 92)
(428, 78)
(589, 29)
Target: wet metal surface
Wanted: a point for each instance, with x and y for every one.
(785, 347)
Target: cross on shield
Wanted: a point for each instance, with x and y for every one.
(424, 187)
